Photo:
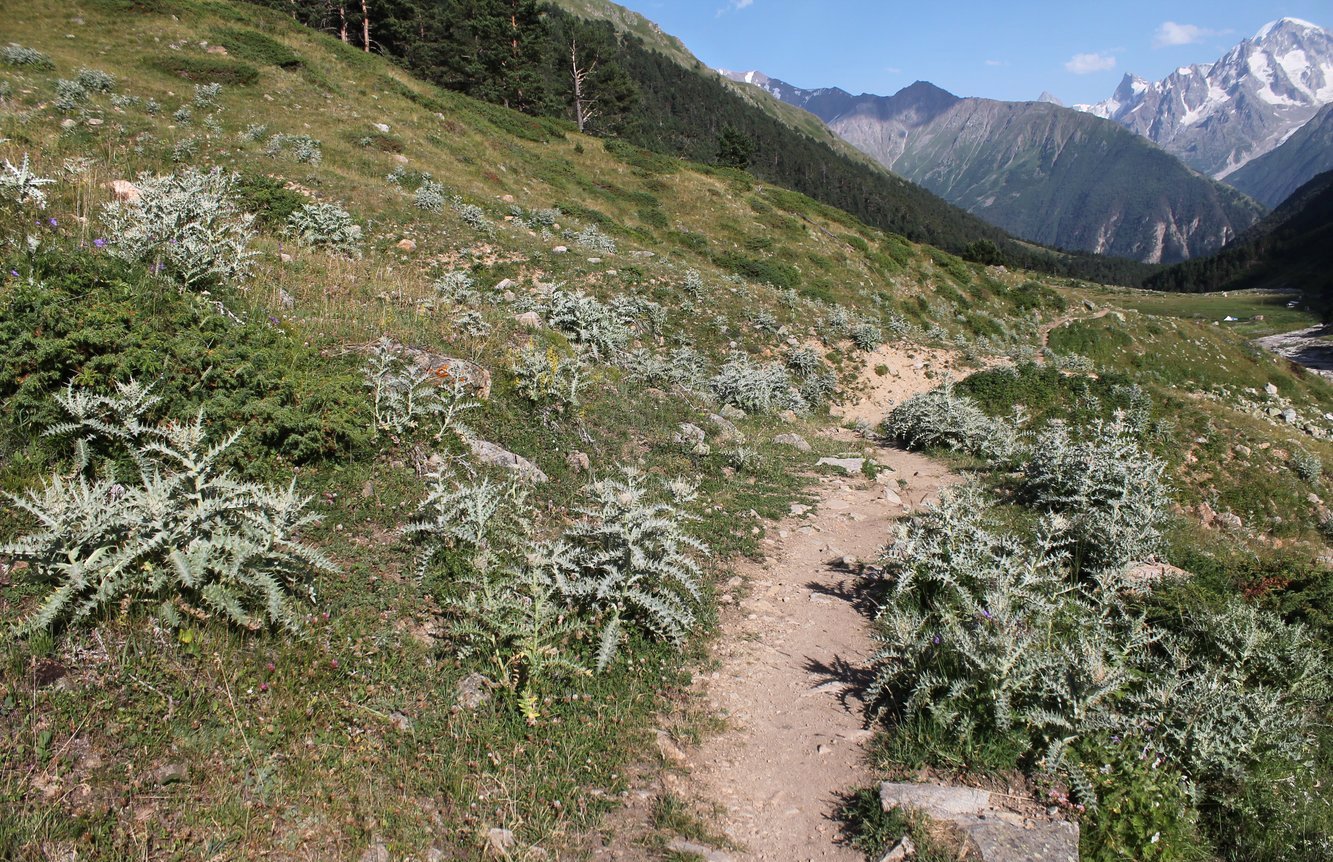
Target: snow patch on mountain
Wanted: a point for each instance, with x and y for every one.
(1265, 88)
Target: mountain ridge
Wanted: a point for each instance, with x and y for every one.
(1218, 116)
(1041, 171)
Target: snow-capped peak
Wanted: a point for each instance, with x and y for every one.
(1298, 23)
(1268, 85)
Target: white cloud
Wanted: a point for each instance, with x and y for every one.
(735, 6)
(1171, 33)
(997, 63)
(1086, 64)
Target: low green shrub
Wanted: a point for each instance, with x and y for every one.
(94, 319)
(256, 47)
(271, 202)
(204, 70)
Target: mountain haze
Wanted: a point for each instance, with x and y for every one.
(1043, 172)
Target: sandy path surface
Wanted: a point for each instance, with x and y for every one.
(793, 666)
(792, 661)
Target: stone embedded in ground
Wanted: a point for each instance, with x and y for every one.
(848, 465)
(796, 441)
(500, 841)
(124, 191)
(690, 848)
(1151, 574)
(671, 753)
(579, 462)
(171, 773)
(934, 800)
(903, 850)
(406, 245)
(725, 427)
(376, 852)
(473, 691)
(991, 833)
(495, 455)
(1042, 841)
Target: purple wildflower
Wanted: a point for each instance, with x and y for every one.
(99, 243)
(53, 222)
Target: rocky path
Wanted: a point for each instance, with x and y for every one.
(792, 669)
(1307, 347)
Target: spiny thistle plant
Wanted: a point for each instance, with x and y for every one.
(756, 387)
(984, 636)
(206, 95)
(943, 419)
(405, 396)
(1107, 489)
(181, 535)
(429, 196)
(804, 361)
(472, 215)
(95, 80)
(326, 226)
(683, 367)
(694, 284)
(505, 611)
(514, 621)
(866, 336)
(15, 54)
(458, 287)
(587, 320)
(69, 95)
(1308, 467)
(480, 516)
(592, 239)
(549, 376)
(628, 561)
(304, 148)
(186, 225)
(21, 185)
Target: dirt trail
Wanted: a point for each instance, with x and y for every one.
(793, 660)
(792, 670)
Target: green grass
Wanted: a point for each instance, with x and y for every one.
(322, 758)
(1244, 305)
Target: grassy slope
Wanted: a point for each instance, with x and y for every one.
(319, 765)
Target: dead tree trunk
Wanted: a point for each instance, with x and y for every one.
(365, 26)
(342, 22)
(584, 106)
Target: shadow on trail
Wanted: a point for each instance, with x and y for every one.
(854, 680)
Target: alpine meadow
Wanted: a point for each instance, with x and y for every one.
(478, 429)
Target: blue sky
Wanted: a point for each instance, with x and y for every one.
(1001, 50)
